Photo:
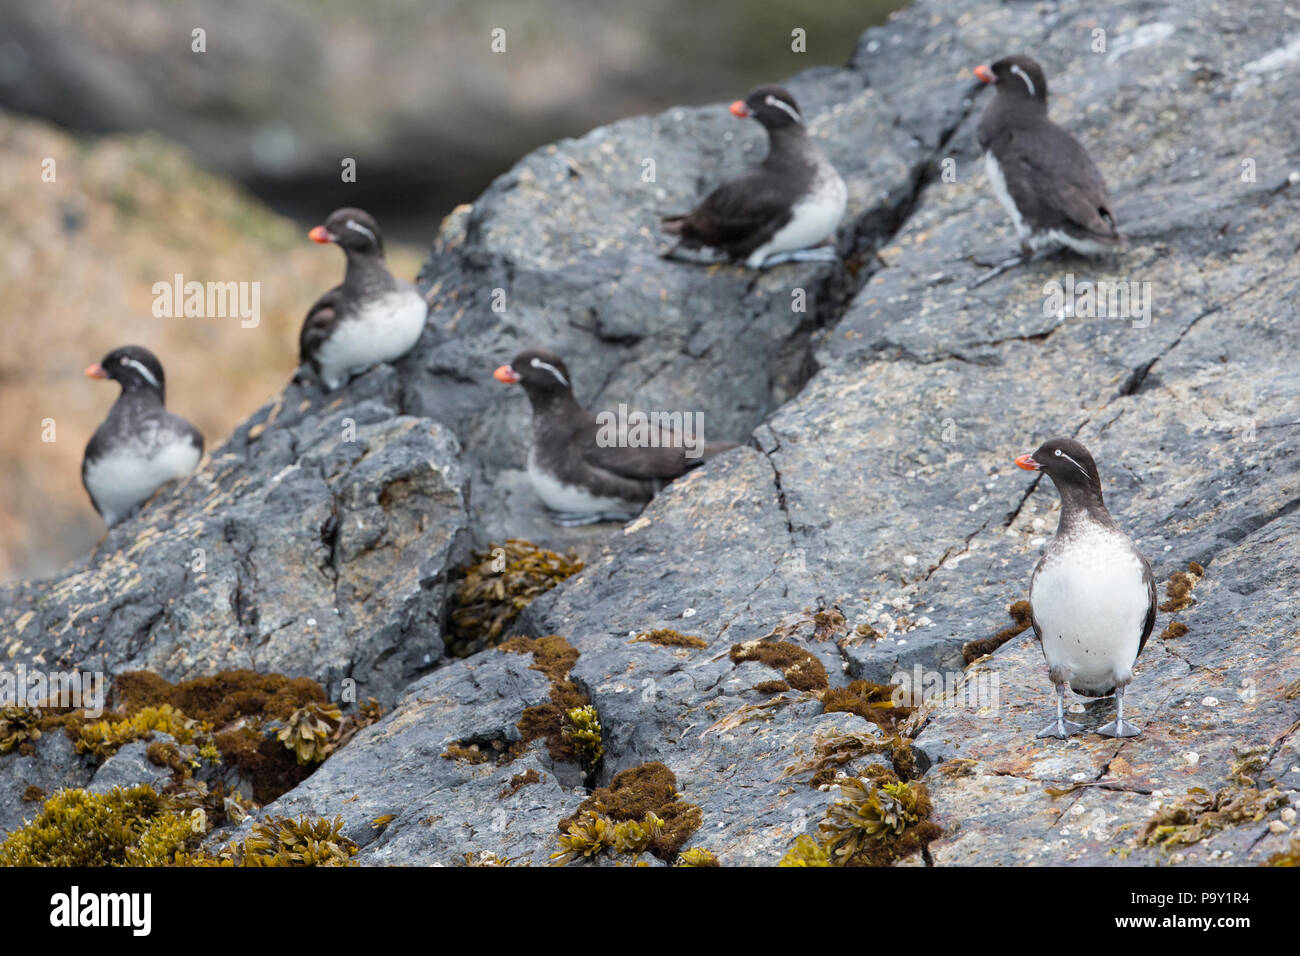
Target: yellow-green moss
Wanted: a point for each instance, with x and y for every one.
(645, 796)
(308, 730)
(18, 726)
(1288, 857)
(103, 737)
(123, 827)
(697, 856)
(283, 841)
(805, 851)
(583, 730)
(496, 585)
(877, 821)
(1200, 813)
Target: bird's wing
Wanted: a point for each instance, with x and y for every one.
(641, 462)
(1149, 580)
(740, 215)
(316, 326)
(1078, 201)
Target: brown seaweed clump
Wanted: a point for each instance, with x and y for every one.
(1201, 813)
(1021, 618)
(877, 821)
(494, 587)
(665, 637)
(640, 810)
(1178, 591)
(801, 669)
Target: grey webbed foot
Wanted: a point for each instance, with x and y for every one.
(1060, 729)
(1119, 727)
(573, 519)
(815, 254)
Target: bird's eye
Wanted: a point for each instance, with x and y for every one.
(1058, 453)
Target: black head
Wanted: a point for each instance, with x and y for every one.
(542, 374)
(353, 230)
(1017, 77)
(132, 367)
(772, 106)
(1067, 463)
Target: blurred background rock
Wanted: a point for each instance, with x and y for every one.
(164, 158)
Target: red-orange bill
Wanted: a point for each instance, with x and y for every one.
(1027, 462)
(506, 374)
(320, 234)
(984, 74)
(96, 371)
(739, 108)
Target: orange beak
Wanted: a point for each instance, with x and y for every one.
(96, 371)
(320, 234)
(984, 74)
(506, 374)
(739, 109)
(1027, 462)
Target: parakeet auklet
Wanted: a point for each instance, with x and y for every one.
(1092, 593)
(140, 446)
(372, 317)
(1040, 174)
(580, 476)
(778, 210)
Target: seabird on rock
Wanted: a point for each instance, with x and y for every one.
(1092, 594)
(577, 472)
(1040, 173)
(372, 317)
(777, 211)
(140, 446)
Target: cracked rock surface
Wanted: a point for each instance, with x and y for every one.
(878, 484)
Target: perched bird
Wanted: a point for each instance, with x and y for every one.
(778, 210)
(372, 317)
(1042, 176)
(1092, 594)
(140, 446)
(588, 468)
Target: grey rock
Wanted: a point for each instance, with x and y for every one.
(318, 546)
(54, 766)
(131, 767)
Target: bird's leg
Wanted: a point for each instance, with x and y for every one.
(1027, 255)
(1119, 727)
(815, 254)
(673, 252)
(576, 519)
(1060, 727)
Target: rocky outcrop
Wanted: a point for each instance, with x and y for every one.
(875, 528)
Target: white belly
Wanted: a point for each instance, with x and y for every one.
(999, 183)
(383, 332)
(121, 481)
(813, 219)
(573, 499)
(1091, 603)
